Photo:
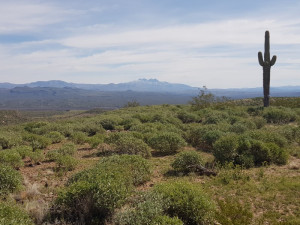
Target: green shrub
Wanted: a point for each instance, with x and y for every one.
(37, 141)
(255, 152)
(11, 157)
(132, 146)
(233, 212)
(108, 124)
(36, 156)
(65, 163)
(203, 137)
(34, 127)
(23, 150)
(91, 128)
(279, 115)
(11, 214)
(55, 136)
(67, 149)
(166, 142)
(9, 139)
(166, 220)
(130, 122)
(187, 117)
(260, 122)
(94, 198)
(186, 159)
(93, 194)
(95, 140)
(215, 117)
(225, 148)
(187, 201)
(10, 179)
(143, 210)
(52, 155)
(79, 137)
(138, 167)
(278, 155)
(267, 136)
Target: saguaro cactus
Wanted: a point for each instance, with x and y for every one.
(266, 64)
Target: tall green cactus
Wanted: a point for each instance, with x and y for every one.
(266, 64)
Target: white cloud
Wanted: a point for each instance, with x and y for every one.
(20, 17)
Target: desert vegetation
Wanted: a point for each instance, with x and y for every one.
(144, 165)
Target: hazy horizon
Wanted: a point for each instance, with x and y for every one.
(195, 43)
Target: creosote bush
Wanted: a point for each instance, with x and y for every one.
(11, 214)
(187, 201)
(11, 157)
(10, 180)
(279, 115)
(132, 146)
(186, 159)
(166, 142)
(93, 194)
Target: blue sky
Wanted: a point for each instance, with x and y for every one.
(195, 42)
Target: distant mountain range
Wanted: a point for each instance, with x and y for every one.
(141, 85)
(60, 95)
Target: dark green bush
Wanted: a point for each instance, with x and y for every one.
(225, 148)
(36, 156)
(55, 136)
(143, 210)
(215, 117)
(279, 115)
(10, 179)
(132, 146)
(34, 127)
(93, 194)
(233, 212)
(255, 152)
(166, 142)
(23, 150)
(95, 140)
(108, 124)
(79, 137)
(65, 163)
(11, 214)
(187, 117)
(187, 201)
(138, 167)
(11, 157)
(267, 136)
(186, 159)
(166, 220)
(260, 122)
(9, 140)
(37, 141)
(67, 149)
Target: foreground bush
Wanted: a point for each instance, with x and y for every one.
(279, 115)
(11, 214)
(132, 146)
(225, 149)
(249, 152)
(37, 141)
(184, 160)
(166, 142)
(11, 157)
(92, 195)
(187, 201)
(10, 179)
(143, 210)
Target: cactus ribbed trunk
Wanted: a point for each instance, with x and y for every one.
(266, 64)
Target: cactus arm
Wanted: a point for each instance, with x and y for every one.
(260, 59)
(273, 60)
